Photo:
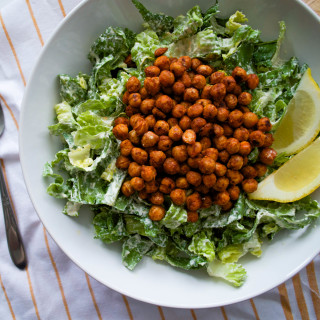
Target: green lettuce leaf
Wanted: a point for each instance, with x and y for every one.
(175, 216)
(202, 245)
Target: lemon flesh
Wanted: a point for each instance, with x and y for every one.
(301, 123)
(296, 179)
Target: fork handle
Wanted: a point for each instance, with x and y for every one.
(15, 244)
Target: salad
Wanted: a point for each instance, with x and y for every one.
(85, 171)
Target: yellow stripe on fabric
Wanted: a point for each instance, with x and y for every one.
(285, 303)
(128, 307)
(300, 297)
(14, 211)
(12, 49)
(161, 313)
(314, 288)
(10, 111)
(62, 8)
(194, 317)
(7, 298)
(254, 309)
(57, 275)
(93, 297)
(34, 22)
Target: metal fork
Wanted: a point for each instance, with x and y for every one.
(15, 244)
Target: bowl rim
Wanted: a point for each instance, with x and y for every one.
(123, 290)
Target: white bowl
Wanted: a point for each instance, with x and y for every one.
(157, 283)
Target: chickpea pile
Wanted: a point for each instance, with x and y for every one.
(188, 135)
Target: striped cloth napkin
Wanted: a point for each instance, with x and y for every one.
(53, 287)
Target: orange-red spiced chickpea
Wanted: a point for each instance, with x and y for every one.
(264, 124)
(135, 100)
(156, 198)
(122, 162)
(127, 189)
(205, 93)
(171, 166)
(222, 114)
(133, 137)
(163, 63)
(157, 213)
(229, 82)
(141, 127)
(134, 169)
(235, 118)
(245, 148)
(234, 192)
(222, 198)
(179, 110)
(252, 81)
(164, 103)
(139, 155)
(133, 84)
(234, 176)
(233, 146)
(221, 184)
(152, 85)
(161, 128)
(218, 91)
(179, 153)
(166, 78)
(250, 119)
(194, 149)
(211, 152)
(261, 169)
(267, 156)
(245, 98)
(216, 77)
(209, 111)
(148, 173)
(166, 185)
(157, 158)
(121, 120)
(198, 123)
(178, 88)
(182, 183)
(194, 201)
(178, 196)
(207, 165)
(126, 147)
(194, 178)
(235, 162)
(177, 68)
(189, 137)
(199, 81)
(121, 131)
(192, 216)
(241, 134)
(149, 139)
(164, 143)
(147, 105)
(249, 185)
(257, 138)
(204, 70)
(191, 94)
(152, 71)
(137, 183)
(175, 133)
(209, 180)
(239, 74)
(231, 100)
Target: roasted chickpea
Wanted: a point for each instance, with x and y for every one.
(239, 74)
(148, 173)
(152, 85)
(206, 202)
(125, 97)
(157, 158)
(158, 113)
(178, 197)
(207, 165)
(199, 81)
(134, 169)
(233, 146)
(184, 169)
(250, 119)
(186, 80)
(231, 100)
(264, 124)
(194, 201)
(191, 94)
(235, 162)
(171, 166)
(164, 143)
(137, 183)
(166, 78)
(222, 114)
(205, 93)
(220, 142)
(202, 189)
(185, 123)
(205, 143)
(241, 134)
(177, 68)
(249, 185)
(244, 98)
(122, 162)
(224, 156)
(228, 131)
(261, 169)
(245, 148)
(222, 198)
(152, 71)
(143, 195)
(126, 147)
(189, 137)
(204, 70)
(151, 120)
(175, 133)
(218, 130)
(185, 61)
(130, 111)
(179, 153)
(135, 100)
(235, 118)
(121, 120)
(167, 90)
(192, 216)
(161, 128)
(151, 186)
(209, 112)
(268, 141)
(163, 63)
(166, 185)
(218, 91)
(195, 110)
(194, 149)
(209, 180)
(133, 137)
(229, 82)
(257, 138)
(216, 77)
(178, 88)
(194, 178)
(127, 189)
(237, 90)
(164, 103)
(249, 172)
(141, 127)
(147, 105)
(173, 122)
(194, 162)
(195, 63)
(267, 156)
(234, 176)
(197, 124)
(157, 213)
(179, 110)
(227, 206)
(221, 184)
(139, 155)
(211, 152)
(133, 120)
(143, 93)
(121, 131)
(160, 51)
(234, 192)
(203, 102)
(182, 183)
(252, 81)
(156, 198)
(133, 84)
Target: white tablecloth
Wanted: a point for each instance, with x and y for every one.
(53, 287)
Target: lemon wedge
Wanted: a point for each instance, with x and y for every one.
(297, 178)
(301, 123)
